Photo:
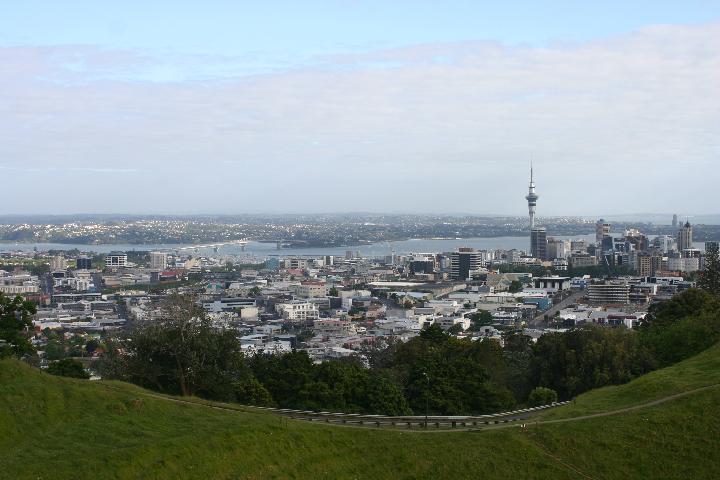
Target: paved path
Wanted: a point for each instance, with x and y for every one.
(516, 419)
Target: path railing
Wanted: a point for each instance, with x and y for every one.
(413, 421)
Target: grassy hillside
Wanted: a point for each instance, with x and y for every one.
(699, 371)
(61, 428)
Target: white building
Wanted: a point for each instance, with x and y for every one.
(298, 311)
(309, 290)
(18, 284)
(116, 260)
(58, 262)
(682, 264)
(158, 260)
(334, 327)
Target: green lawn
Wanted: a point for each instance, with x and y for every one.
(56, 428)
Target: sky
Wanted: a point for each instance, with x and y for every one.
(346, 106)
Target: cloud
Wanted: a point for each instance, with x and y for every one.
(66, 169)
(615, 124)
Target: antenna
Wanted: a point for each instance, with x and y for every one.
(531, 170)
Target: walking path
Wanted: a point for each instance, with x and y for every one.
(503, 421)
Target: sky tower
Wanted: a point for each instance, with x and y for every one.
(532, 198)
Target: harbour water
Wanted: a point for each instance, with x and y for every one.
(263, 250)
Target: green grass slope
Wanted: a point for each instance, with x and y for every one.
(696, 372)
(56, 428)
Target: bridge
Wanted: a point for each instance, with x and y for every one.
(242, 242)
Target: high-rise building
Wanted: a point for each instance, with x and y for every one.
(602, 229)
(116, 260)
(637, 240)
(710, 246)
(463, 262)
(674, 221)
(664, 243)
(538, 243)
(617, 292)
(685, 237)
(158, 260)
(83, 263)
(557, 248)
(58, 262)
(422, 263)
(532, 199)
(578, 246)
(643, 264)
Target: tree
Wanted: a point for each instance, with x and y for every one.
(682, 326)
(91, 346)
(480, 318)
(333, 292)
(434, 334)
(455, 329)
(40, 269)
(590, 357)
(15, 322)
(68, 367)
(710, 277)
(515, 286)
(542, 396)
(182, 352)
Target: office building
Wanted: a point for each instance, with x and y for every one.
(683, 264)
(463, 262)
(685, 237)
(609, 293)
(581, 260)
(557, 248)
(422, 263)
(83, 263)
(664, 243)
(116, 260)
(58, 262)
(602, 230)
(644, 264)
(578, 246)
(158, 260)
(538, 243)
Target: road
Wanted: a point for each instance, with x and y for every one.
(539, 321)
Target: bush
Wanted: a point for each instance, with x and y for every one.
(542, 396)
(682, 327)
(68, 367)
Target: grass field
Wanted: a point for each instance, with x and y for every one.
(56, 428)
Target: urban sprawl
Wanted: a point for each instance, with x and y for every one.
(334, 306)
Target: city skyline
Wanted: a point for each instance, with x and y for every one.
(346, 106)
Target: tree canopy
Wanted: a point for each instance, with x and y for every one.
(709, 280)
(15, 323)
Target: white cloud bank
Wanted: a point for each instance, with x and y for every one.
(630, 123)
